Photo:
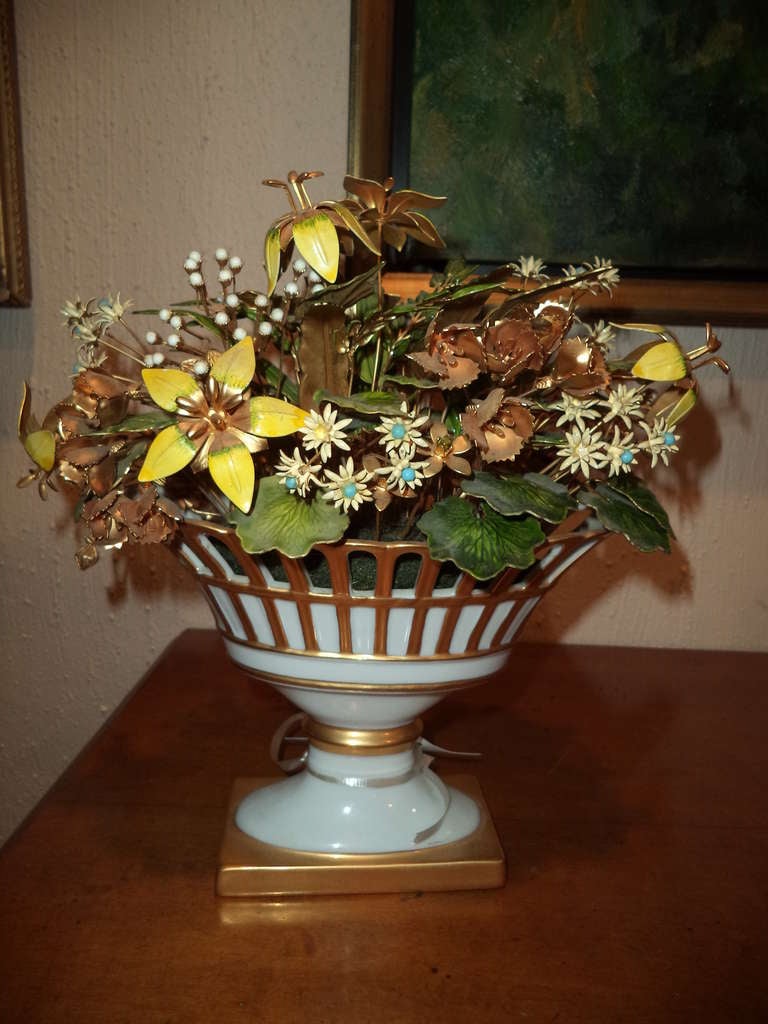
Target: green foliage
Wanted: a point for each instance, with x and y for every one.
(629, 487)
(516, 495)
(619, 515)
(138, 424)
(382, 403)
(290, 524)
(479, 540)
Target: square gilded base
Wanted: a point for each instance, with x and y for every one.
(249, 868)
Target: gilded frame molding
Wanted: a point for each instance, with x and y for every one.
(14, 242)
(671, 299)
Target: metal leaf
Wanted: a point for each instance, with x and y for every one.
(324, 362)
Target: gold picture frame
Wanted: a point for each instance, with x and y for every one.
(14, 242)
(670, 299)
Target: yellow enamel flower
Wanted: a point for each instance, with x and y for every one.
(218, 425)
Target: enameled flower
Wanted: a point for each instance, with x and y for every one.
(110, 310)
(624, 404)
(401, 433)
(575, 410)
(218, 427)
(581, 451)
(322, 433)
(619, 453)
(347, 488)
(530, 266)
(402, 474)
(661, 441)
(298, 475)
(447, 451)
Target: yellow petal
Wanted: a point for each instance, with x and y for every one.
(272, 258)
(232, 471)
(236, 366)
(165, 386)
(662, 362)
(271, 417)
(681, 408)
(40, 445)
(170, 451)
(318, 243)
(353, 224)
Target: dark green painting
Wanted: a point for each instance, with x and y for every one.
(635, 130)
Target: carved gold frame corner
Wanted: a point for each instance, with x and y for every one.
(14, 244)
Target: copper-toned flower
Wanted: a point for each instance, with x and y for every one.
(391, 216)
(497, 426)
(447, 451)
(116, 518)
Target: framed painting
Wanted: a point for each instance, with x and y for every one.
(568, 130)
(14, 251)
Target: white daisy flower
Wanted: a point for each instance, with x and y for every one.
(661, 441)
(402, 473)
(401, 433)
(624, 404)
(619, 453)
(347, 488)
(298, 475)
(582, 451)
(577, 411)
(602, 335)
(322, 433)
(110, 310)
(530, 266)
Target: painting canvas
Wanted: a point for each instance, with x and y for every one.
(634, 130)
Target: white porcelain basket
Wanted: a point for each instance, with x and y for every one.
(362, 665)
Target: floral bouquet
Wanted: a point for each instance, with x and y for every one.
(476, 415)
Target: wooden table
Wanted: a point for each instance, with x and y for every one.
(628, 788)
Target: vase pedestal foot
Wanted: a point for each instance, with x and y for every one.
(250, 868)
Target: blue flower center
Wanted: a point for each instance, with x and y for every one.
(398, 431)
(669, 438)
(408, 474)
(349, 490)
(626, 457)
(290, 483)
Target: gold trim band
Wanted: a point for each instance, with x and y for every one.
(364, 737)
(384, 689)
(338, 739)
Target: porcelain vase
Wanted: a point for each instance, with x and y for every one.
(362, 660)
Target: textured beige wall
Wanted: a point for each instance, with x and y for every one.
(147, 128)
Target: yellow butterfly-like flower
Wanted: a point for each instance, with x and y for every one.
(219, 427)
(312, 228)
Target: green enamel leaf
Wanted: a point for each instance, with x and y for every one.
(345, 294)
(283, 521)
(635, 491)
(478, 539)
(518, 495)
(382, 403)
(620, 516)
(409, 382)
(138, 424)
(282, 384)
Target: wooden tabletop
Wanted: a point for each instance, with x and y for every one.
(628, 788)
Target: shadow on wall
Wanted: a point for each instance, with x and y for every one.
(146, 571)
